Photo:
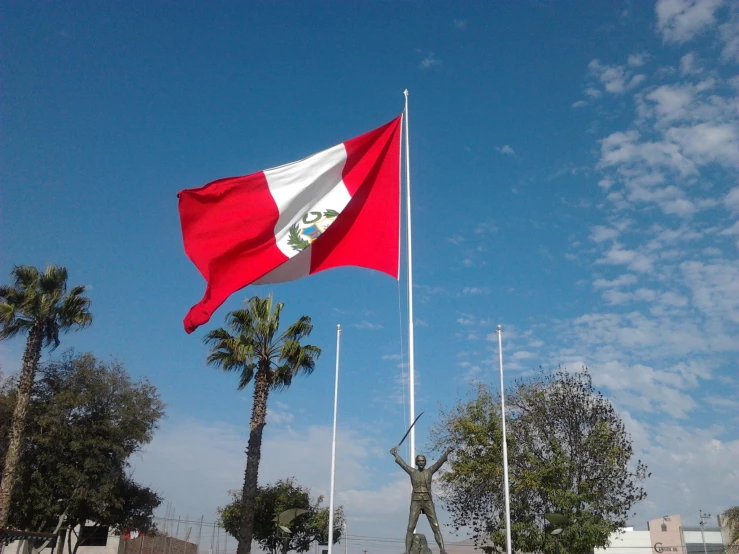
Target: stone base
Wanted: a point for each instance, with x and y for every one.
(420, 544)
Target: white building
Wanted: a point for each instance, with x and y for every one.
(666, 535)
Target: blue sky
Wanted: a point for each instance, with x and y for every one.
(574, 171)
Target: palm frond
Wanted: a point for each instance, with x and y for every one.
(298, 330)
(10, 325)
(240, 322)
(53, 280)
(25, 276)
(74, 310)
(294, 359)
(231, 353)
(251, 340)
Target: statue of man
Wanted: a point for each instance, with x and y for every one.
(421, 501)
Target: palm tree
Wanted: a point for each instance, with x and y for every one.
(252, 347)
(36, 304)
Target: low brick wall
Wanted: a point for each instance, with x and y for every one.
(160, 544)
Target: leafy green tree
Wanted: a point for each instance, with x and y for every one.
(38, 305)
(252, 346)
(569, 454)
(87, 418)
(272, 500)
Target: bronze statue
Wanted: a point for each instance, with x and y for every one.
(421, 500)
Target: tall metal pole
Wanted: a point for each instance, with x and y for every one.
(411, 349)
(200, 532)
(333, 446)
(505, 444)
(702, 523)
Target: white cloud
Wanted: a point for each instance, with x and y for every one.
(475, 290)
(714, 287)
(695, 466)
(689, 64)
(637, 60)
(430, 61)
(680, 20)
(485, 228)
(706, 142)
(616, 79)
(622, 281)
(732, 199)
(600, 233)
(523, 355)
(506, 149)
(729, 33)
(367, 325)
(626, 148)
(617, 254)
(459, 24)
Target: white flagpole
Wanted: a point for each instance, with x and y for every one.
(333, 446)
(411, 350)
(505, 444)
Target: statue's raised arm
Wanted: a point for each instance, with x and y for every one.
(400, 461)
(440, 462)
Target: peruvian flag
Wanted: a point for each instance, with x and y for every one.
(338, 207)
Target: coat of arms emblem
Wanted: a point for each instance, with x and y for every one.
(311, 226)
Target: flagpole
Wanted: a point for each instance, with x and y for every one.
(505, 444)
(411, 349)
(333, 446)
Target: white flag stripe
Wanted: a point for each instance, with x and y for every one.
(304, 190)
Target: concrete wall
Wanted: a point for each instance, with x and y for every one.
(627, 541)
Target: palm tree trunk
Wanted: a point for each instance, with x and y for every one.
(31, 356)
(253, 455)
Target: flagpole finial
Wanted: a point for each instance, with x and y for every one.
(500, 328)
(338, 328)
(405, 93)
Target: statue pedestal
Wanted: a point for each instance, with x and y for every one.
(420, 544)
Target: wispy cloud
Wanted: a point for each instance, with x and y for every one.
(485, 228)
(367, 325)
(506, 149)
(430, 61)
(459, 24)
(474, 291)
(637, 60)
(616, 79)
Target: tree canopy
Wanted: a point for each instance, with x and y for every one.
(87, 417)
(569, 454)
(272, 500)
